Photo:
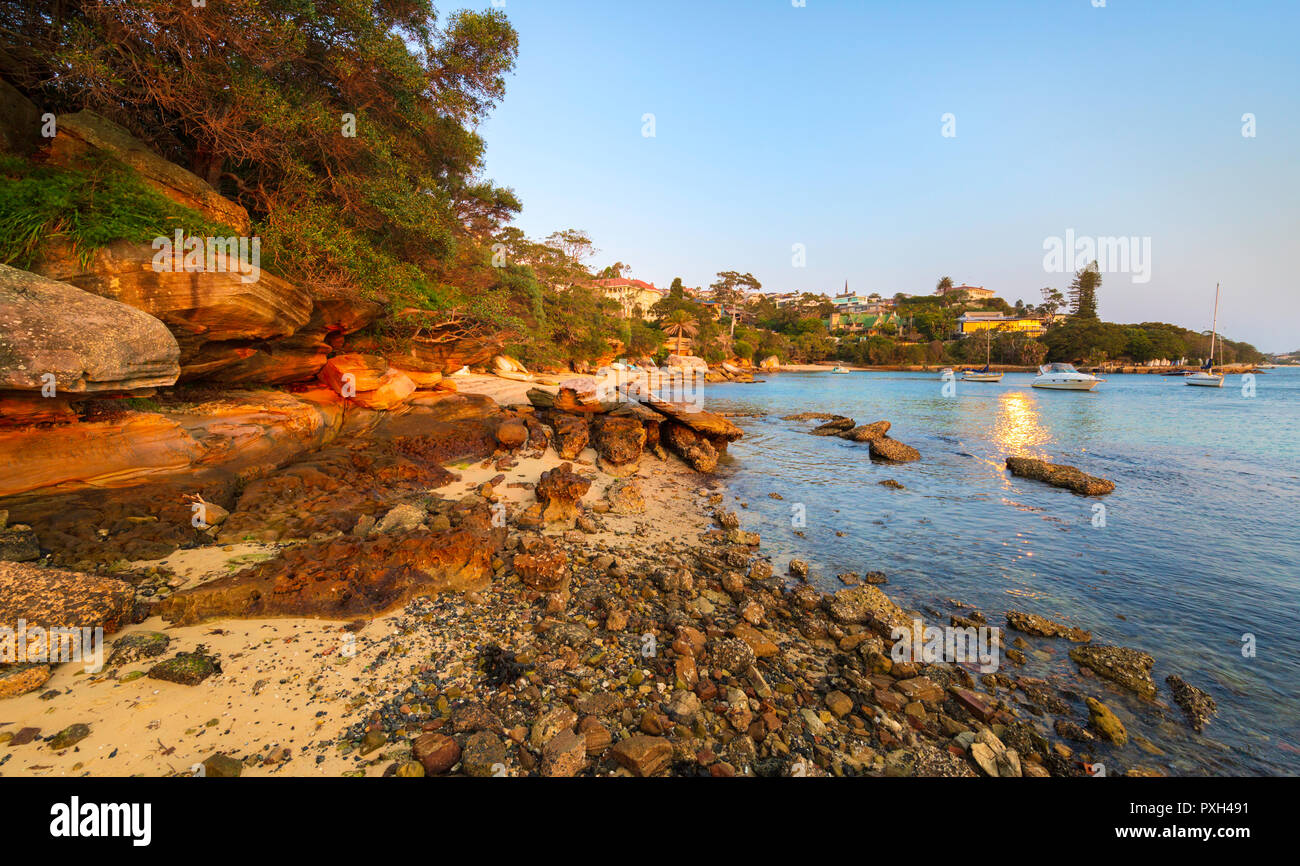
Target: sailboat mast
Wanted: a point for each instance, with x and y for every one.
(1214, 328)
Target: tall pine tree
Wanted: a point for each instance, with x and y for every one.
(1083, 292)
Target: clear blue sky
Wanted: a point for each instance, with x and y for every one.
(821, 125)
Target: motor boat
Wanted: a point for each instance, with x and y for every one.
(1063, 377)
(839, 369)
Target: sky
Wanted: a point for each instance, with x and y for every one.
(904, 141)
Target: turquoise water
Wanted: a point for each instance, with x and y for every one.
(1200, 544)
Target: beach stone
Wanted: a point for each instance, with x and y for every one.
(973, 702)
(546, 570)
(438, 753)
(1056, 475)
(1033, 624)
(69, 737)
(643, 755)
(1129, 668)
(483, 751)
(1107, 725)
(730, 654)
(564, 755)
(884, 448)
(799, 568)
(839, 703)
(409, 770)
(619, 440)
(401, 518)
(21, 678)
(550, 724)
(1196, 704)
(512, 433)
(187, 669)
(220, 766)
(985, 758)
(625, 497)
(683, 707)
(867, 605)
(19, 544)
(136, 646)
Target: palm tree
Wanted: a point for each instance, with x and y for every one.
(944, 284)
(678, 324)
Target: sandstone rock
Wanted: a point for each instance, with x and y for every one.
(867, 605)
(69, 737)
(87, 343)
(343, 578)
(19, 544)
(1106, 723)
(884, 448)
(484, 755)
(368, 380)
(512, 433)
(136, 646)
(50, 598)
(87, 132)
(834, 427)
(187, 669)
(866, 432)
(19, 679)
(571, 435)
(716, 428)
(770, 363)
(438, 753)
(1033, 624)
(1059, 476)
(643, 755)
(219, 766)
(695, 450)
(21, 410)
(618, 440)
(401, 518)
(559, 490)
(1128, 667)
(545, 570)
(564, 755)
(1196, 704)
(625, 497)
(212, 306)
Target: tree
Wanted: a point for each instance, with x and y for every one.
(1083, 292)
(944, 284)
(678, 324)
(730, 288)
(1053, 300)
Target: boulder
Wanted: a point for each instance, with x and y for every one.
(867, 605)
(1105, 723)
(619, 441)
(572, 433)
(506, 364)
(367, 380)
(19, 679)
(1197, 705)
(88, 343)
(884, 448)
(558, 491)
(214, 305)
(86, 132)
(695, 450)
(643, 755)
(512, 433)
(770, 363)
(687, 362)
(50, 597)
(718, 429)
(866, 432)
(1043, 627)
(1056, 475)
(833, 427)
(625, 497)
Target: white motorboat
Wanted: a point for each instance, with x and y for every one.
(839, 369)
(1206, 377)
(1063, 377)
(946, 373)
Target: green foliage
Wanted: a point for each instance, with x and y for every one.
(89, 208)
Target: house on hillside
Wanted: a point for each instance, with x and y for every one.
(978, 321)
(869, 324)
(974, 293)
(631, 295)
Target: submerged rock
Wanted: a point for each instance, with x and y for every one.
(1129, 668)
(834, 427)
(1106, 723)
(1043, 627)
(1067, 477)
(1196, 704)
(884, 448)
(866, 432)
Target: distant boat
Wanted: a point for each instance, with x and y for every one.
(946, 373)
(839, 369)
(1063, 377)
(1206, 377)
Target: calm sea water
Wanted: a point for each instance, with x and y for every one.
(1201, 542)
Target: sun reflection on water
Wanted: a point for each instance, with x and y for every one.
(1019, 430)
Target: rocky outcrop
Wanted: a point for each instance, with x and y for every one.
(716, 428)
(694, 448)
(572, 432)
(1059, 476)
(448, 356)
(619, 441)
(1129, 668)
(88, 343)
(1043, 627)
(884, 448)
(770, 364)
(368, 380)
(833, 427)
(215, 314)
(20, 122)
(53, 598)
(1197, 705)
(86, 132)
(867, 605)
(343, 578)
(558, 491)
(866, 432)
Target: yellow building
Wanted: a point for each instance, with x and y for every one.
(978, 322)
